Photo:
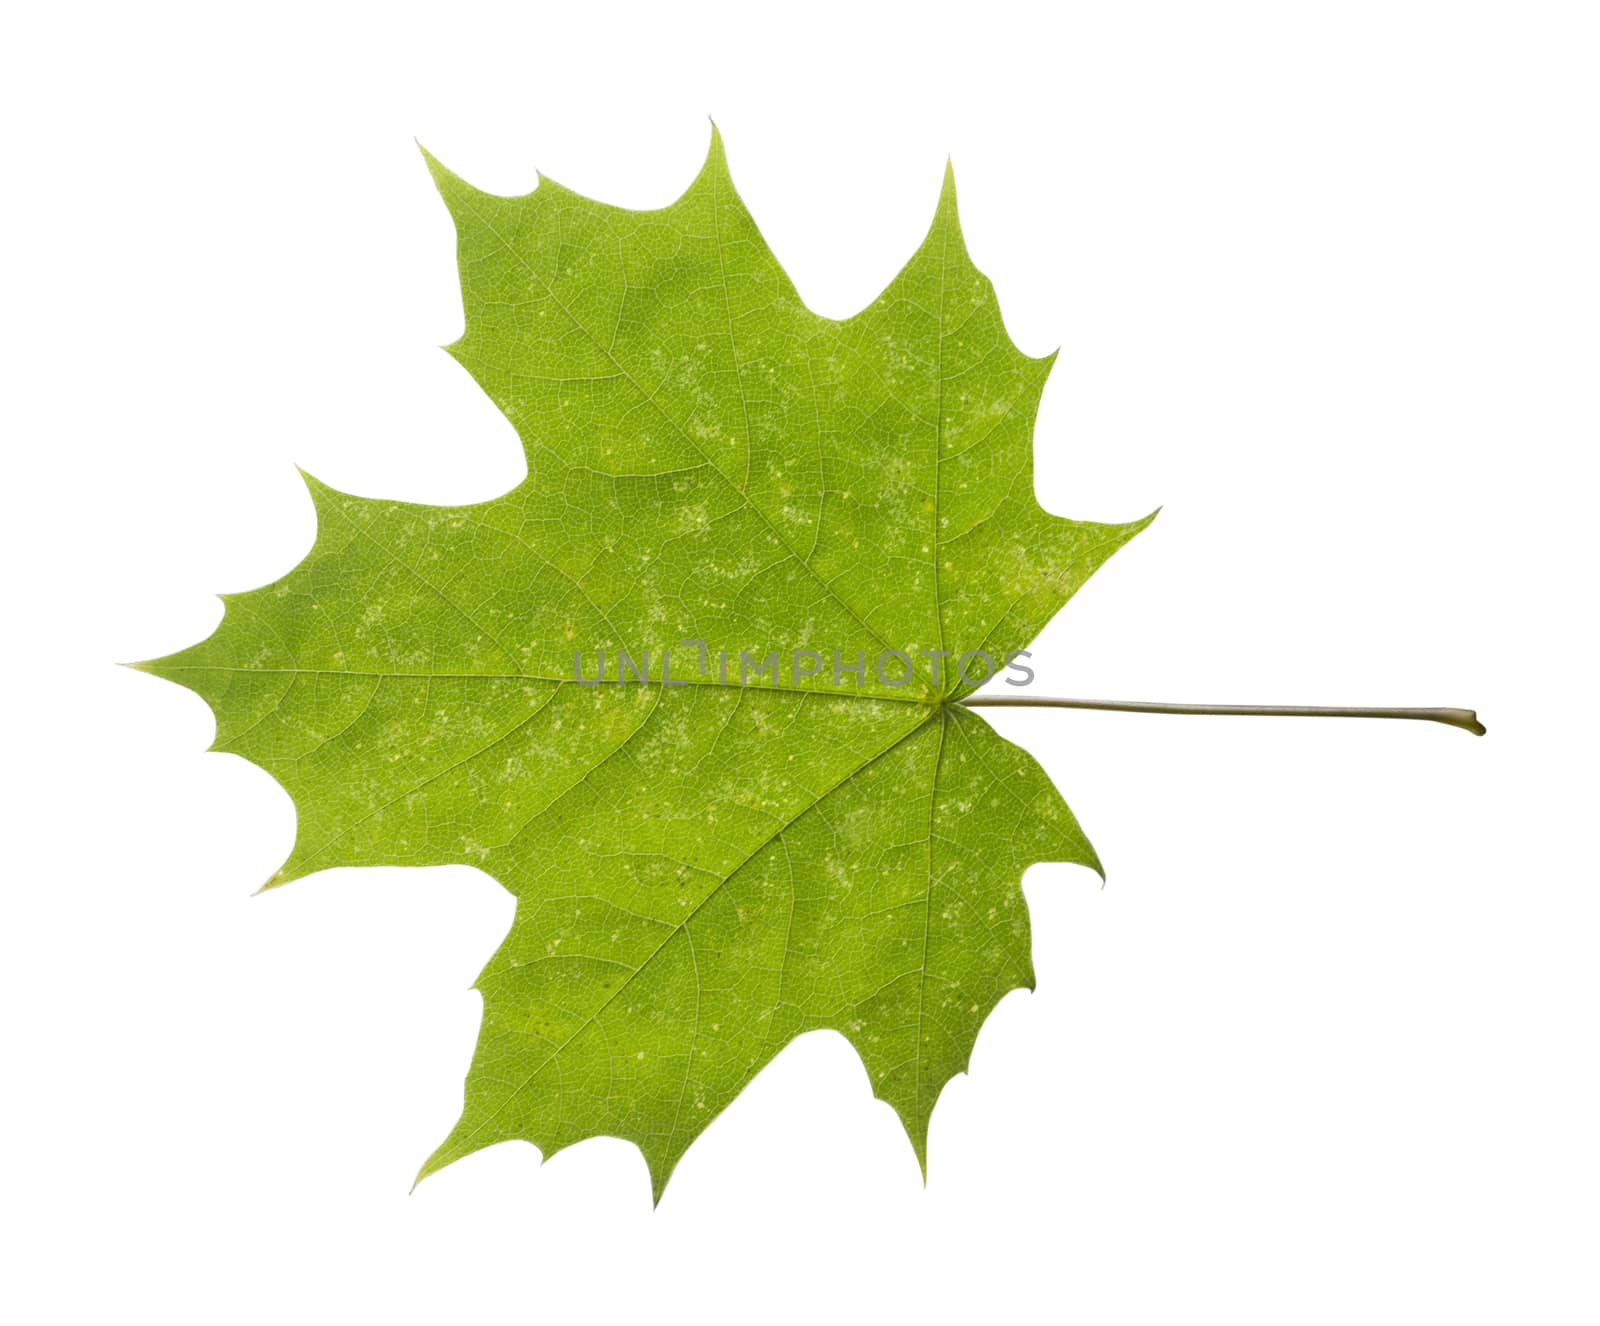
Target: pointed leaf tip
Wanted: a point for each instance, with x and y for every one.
(276, 880)
(947, 215)
(436, 168)
(716, 151)
(947, 188)
(452, 188)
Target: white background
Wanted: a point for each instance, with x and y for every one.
(1325, 282)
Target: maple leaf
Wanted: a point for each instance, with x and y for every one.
(703, 871)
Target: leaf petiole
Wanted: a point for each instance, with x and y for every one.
(1465, 719)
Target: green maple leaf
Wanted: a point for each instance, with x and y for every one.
(702, 872)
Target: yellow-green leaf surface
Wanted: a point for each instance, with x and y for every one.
(702, 871)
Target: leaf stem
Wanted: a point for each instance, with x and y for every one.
(1465, 719)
